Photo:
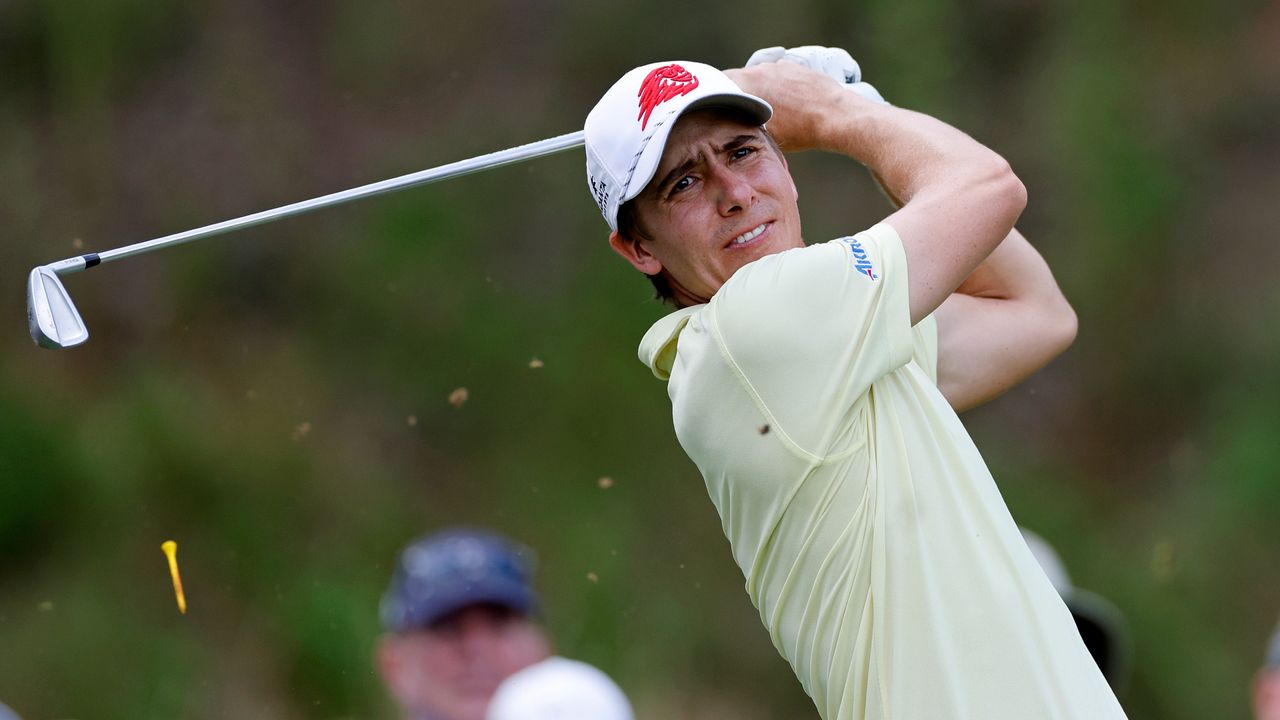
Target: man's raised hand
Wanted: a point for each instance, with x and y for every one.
(835, 63)
(804, 101)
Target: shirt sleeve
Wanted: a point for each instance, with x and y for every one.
(925, 352)
(808, 331)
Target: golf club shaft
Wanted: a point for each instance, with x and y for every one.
(462, 167)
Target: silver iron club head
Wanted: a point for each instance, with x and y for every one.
(54, 320)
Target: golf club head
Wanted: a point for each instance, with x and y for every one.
(54, 320)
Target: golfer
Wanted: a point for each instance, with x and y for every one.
(816, 388)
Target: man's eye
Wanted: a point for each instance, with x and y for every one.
(742, 152)
(681, 184)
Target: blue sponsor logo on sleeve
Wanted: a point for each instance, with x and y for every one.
(861, 260)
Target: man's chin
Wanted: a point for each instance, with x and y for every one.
(748, 255)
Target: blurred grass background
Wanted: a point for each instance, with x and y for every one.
(276, 400)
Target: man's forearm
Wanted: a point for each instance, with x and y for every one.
(1005, 321)
(1015, 270)
(959, 198)
(907, 150)
(953, 194)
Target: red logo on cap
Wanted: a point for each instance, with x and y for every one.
(659, 86)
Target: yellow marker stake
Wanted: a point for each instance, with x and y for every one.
(170, 549)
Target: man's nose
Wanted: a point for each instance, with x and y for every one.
(735, 194)
(476, 638)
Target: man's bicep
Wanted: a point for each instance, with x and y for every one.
(933, 266)
(962, 348)
(988, 345)
(1006, 320)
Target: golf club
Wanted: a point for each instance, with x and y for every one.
(55, 322)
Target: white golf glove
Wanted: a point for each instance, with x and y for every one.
(833, 62)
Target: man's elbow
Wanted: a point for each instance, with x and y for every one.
(1009, 195)
(993, 196)
(1061, 325)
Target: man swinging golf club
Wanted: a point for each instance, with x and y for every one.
(816, 388)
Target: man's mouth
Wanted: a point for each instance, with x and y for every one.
(750, 236)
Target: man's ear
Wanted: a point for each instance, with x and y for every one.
(633, 250)
(391, 664)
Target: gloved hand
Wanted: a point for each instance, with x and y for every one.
(832, 62)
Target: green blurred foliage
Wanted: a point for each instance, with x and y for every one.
(276, 401)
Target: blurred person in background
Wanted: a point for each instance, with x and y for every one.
(1266, 685)
(460, 617)
(1101, 625)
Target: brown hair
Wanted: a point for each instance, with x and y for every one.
(629, 228)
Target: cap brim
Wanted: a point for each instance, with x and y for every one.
(753, 107)
(515, 596)
(400, 615)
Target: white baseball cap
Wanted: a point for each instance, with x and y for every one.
(627, 130)
(559, 689)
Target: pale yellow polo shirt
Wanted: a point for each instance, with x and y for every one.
(874, 541)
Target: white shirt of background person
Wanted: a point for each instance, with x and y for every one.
(559, 689)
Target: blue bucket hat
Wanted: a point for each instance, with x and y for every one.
(439, 574)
